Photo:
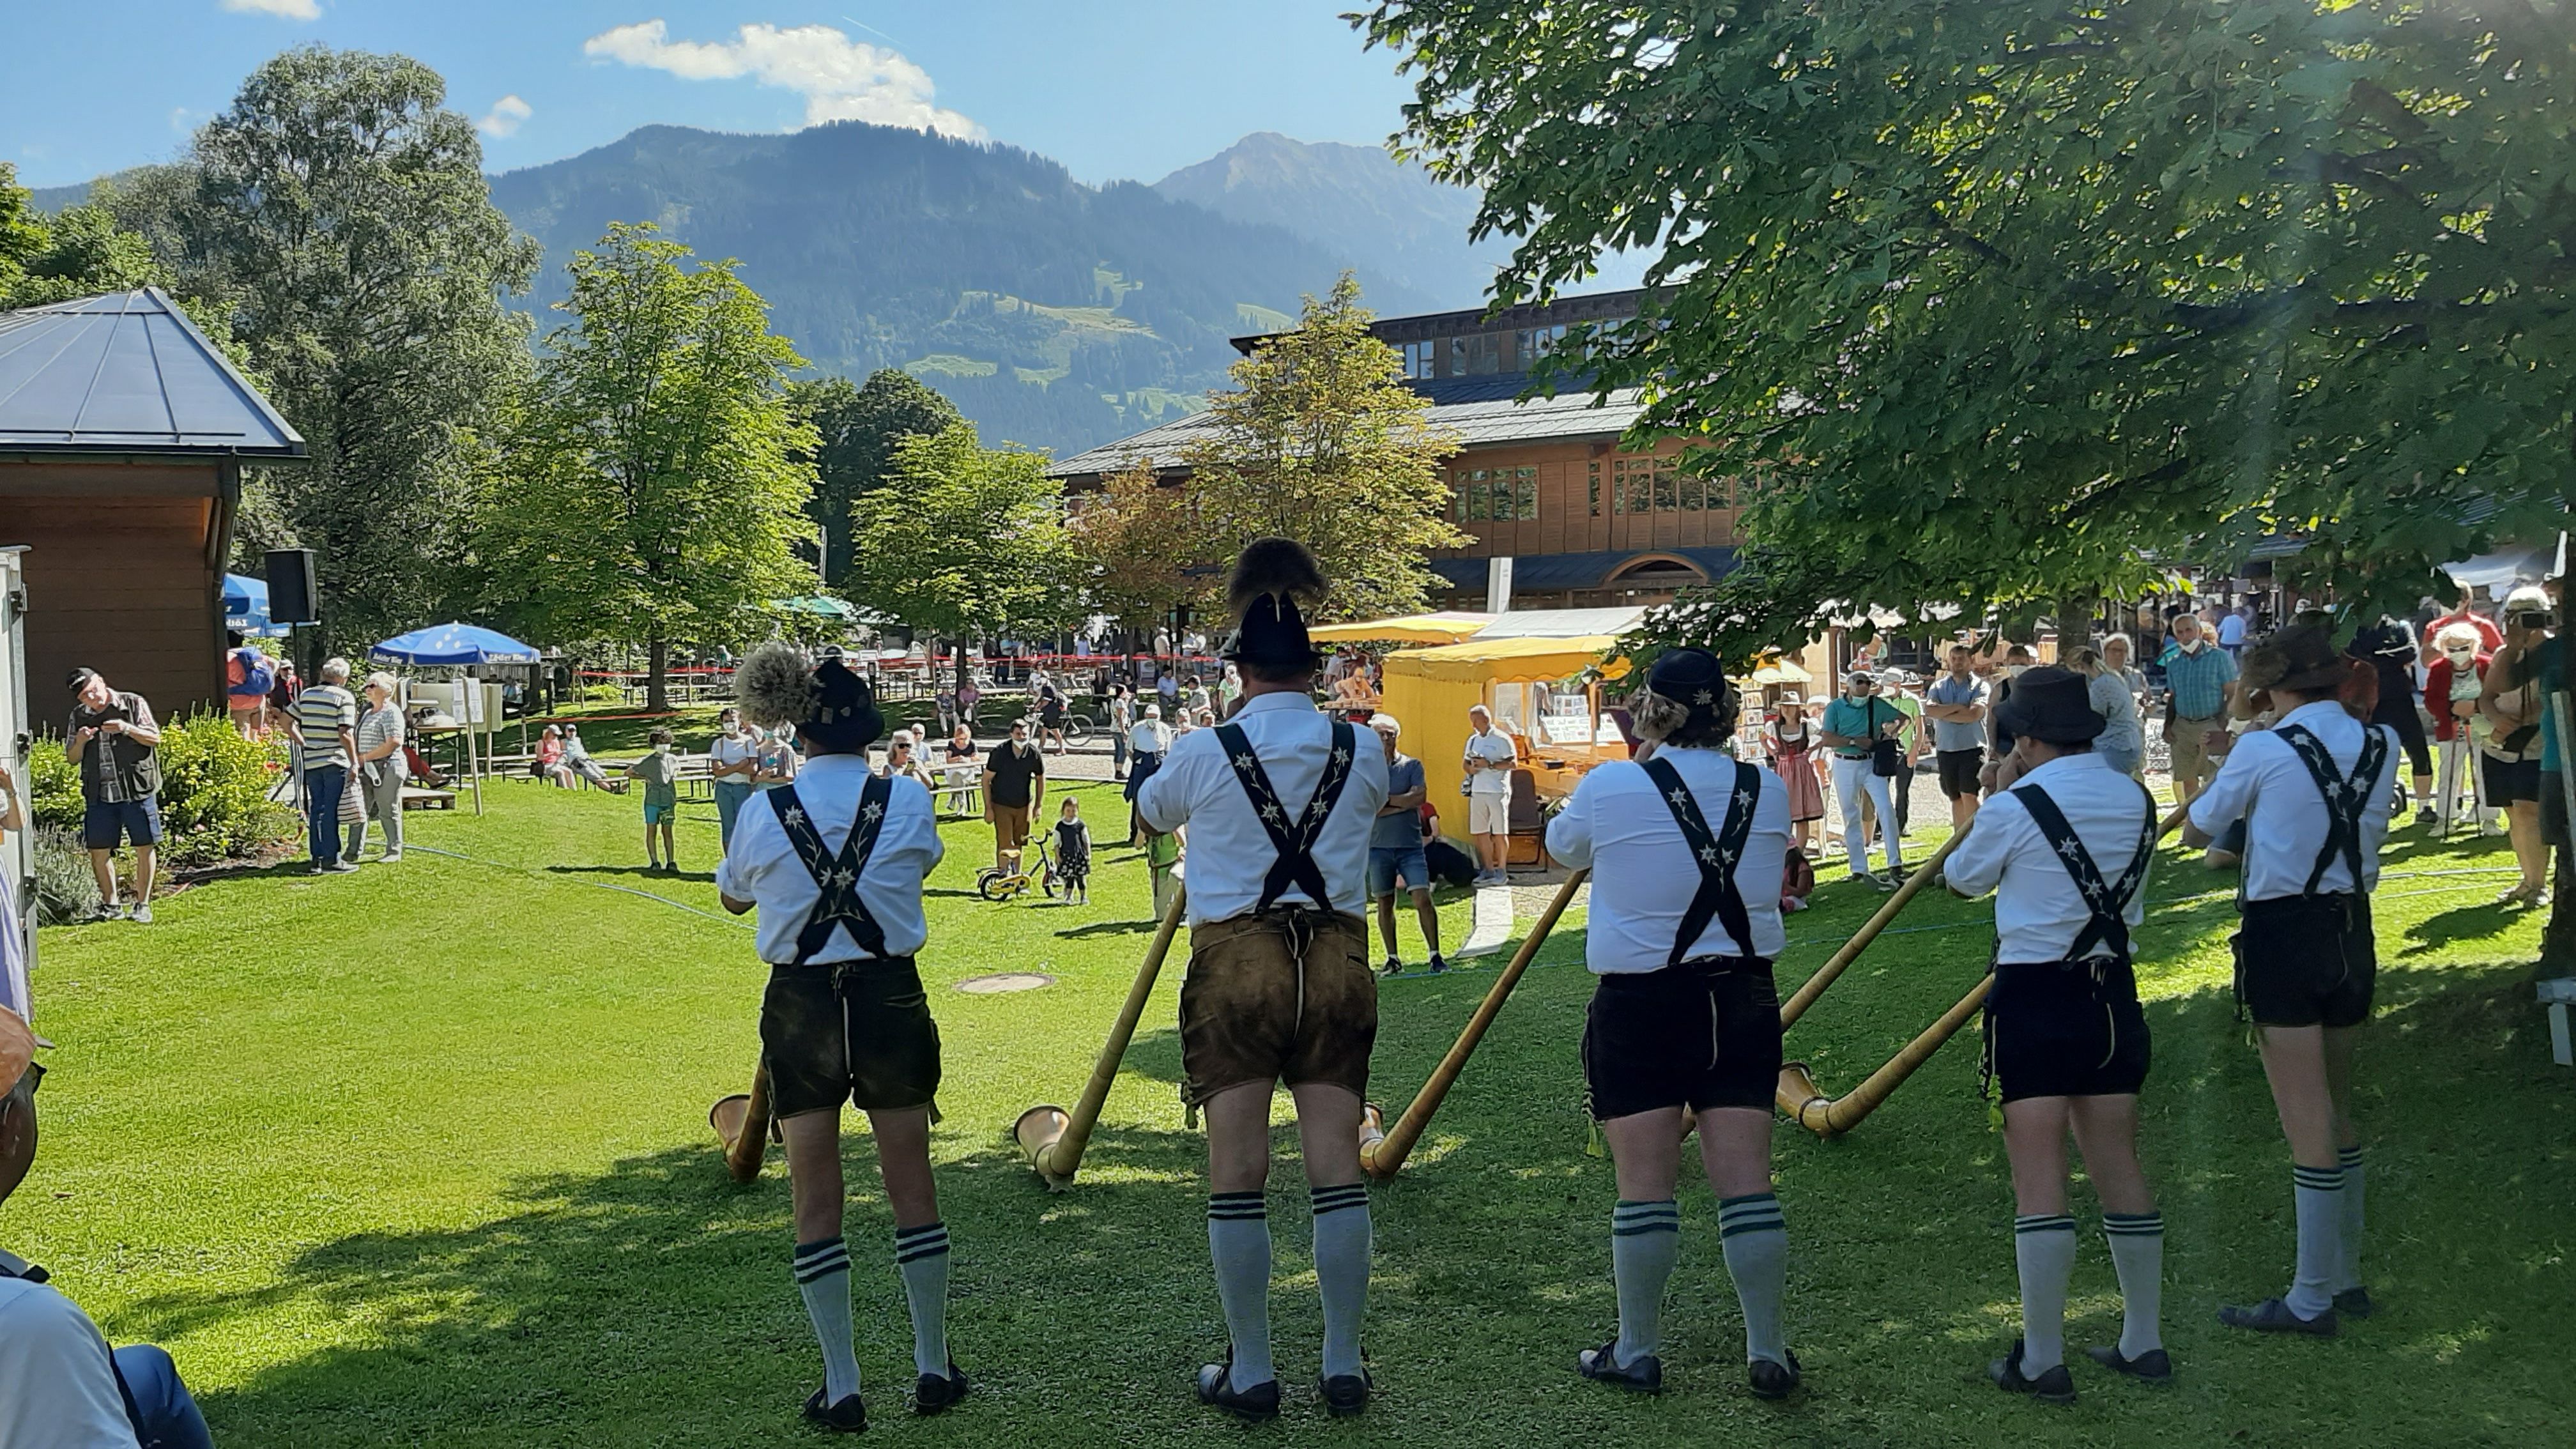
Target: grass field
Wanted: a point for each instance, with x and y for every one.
(420, 1156)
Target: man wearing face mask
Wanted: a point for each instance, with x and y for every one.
(2451, 696)
(731, 762)
(1853, 727)
(2199, 679)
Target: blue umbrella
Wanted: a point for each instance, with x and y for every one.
(246, 607)
(454, 644)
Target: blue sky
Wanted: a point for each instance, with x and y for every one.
(1111, 88)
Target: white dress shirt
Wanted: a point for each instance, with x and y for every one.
(1229, 853)
(1149, 737)
(2038, 911)
(1642, 875)
(57, 1386)
(2265, 784)
(763, 868)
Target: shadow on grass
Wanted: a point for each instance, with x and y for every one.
(1109, 928)
(646, 872)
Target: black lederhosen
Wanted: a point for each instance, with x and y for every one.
(1703, 1034)
(2066, 1029)
(854, 1030)
(2307, 960)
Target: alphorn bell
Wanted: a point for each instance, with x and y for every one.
(1382, 1148)
(742, 1125)
(1797, 1095)
(1053, 1138)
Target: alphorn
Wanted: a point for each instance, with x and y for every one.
(1053, 1138)
(1797, 1096)
(1805, 996)
(1382, 1152)
(742, 1125)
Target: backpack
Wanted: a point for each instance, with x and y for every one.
(248, 674)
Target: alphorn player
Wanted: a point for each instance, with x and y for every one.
(2315, 793)
(835, 862)
(1686, 849)
(2067, 850)
(1279, 802)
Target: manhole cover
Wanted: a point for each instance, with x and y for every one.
(1002, 981)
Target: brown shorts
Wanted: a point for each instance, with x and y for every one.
(1277, 996)
(1010, 826)
(855, 1031)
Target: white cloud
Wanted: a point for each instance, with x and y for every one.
(502, 121)
(841, 79)
(179, 119)
(287, 9)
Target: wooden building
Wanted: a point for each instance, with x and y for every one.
(123, 433)
(1542, 481)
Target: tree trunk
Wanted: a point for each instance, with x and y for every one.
(657, 674)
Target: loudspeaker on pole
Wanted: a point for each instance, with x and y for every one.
(292, 594)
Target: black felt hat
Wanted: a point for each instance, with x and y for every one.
(1269, 578)
(2301, 658)
(1693, 679)
(2051, 703)
(827, 700)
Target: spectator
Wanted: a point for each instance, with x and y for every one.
(1050, 702)
(1199, 700)
(1894, 686)
(2199, 683)
(2231, 628)
(2389, 647)
(381, 769)
(1956, 705)
(15, 992)
(732, 759)
(1122, 720)
(1791, 743)
(2122, 745)
(115, 743)
(248, 677)
(2451, 689)
(1073, 852)
(326, 728)
(1168, 685)
(1395, 847)
(1149, 740)
(549, 764)
(285, 685)
(1014, 788)
(2514, 750)
(1229, 688)
(576, 758)
(60, 1384)
(1855, 726)
(970, 698)
(903, 761)
(2489, 636)
(2119, 657)
(1491, 755)
(961, 747)
(660, 772)
(778, 761)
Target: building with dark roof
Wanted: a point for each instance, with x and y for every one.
(123, 433)
(1541, 479)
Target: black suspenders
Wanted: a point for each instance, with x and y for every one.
(2346, 798)
(1294, 842)
(836, 875)
(2108, 901)
(1715, 855)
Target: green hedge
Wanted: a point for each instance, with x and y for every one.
(214, 793)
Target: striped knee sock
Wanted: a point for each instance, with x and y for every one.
(1239, 1242)
(2348, 1275)
(1342, 1272)
(921, 1256)
(1755, 1239)
(2317, 1193)
(823, 1281)
(2137, 1242)
(2044, 1250)
(1645, 1238)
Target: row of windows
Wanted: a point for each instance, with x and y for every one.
(1480, 353)
(1483, 494)
(1657, 485)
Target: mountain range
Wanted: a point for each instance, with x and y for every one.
(1053, 313)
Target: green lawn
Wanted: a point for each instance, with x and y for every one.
(420, 1156)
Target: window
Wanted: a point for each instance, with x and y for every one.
(1594, 467)
(1419, 358)
(1538, 342)
(1652, 485)
(1495, 494)
(1478, 354)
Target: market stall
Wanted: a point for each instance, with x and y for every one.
(1536, 690)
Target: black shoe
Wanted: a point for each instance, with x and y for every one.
(2350, 1303)
(1438, 965)
(1773, 1379)
(1602, 1365)
(2054, 1385)
(1391, 967)
(1347, 1394)
(849, 1416)
(1217, 1391)
(2274, 1316)
(934, 1394)
(2153, 1365)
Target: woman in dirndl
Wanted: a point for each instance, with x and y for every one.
(1793, 747)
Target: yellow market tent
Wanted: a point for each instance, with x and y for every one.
(1447, 626)
(1431, 690)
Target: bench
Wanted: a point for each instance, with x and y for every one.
(416, 798)
(2558, 993)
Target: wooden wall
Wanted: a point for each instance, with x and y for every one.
(1565, 521)
(121, 577)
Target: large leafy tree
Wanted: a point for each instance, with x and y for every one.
(1321, 441)
(338, 212)
(1141, 538)
(859, 425)
(653, 487)
(1995, 299)
(78, 252)
(978, 548)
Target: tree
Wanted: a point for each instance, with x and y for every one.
(1322, 442)
(1142, 541)
(338, 212)
(2004, 298)
(79, 252)
(859, 425)
(979, 547)
(651, 489)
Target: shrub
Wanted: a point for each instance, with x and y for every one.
(214, 792)
(66, 888)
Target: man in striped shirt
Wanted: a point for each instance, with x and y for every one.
(326, 724)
